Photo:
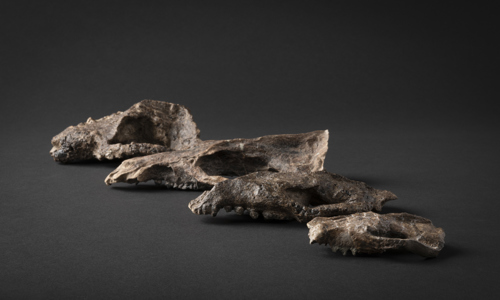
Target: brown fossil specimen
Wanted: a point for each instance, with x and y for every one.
(374, 233)
(211, 162)
(147, 127)
(299, 195)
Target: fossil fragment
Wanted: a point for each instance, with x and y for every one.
(211, 162)
(299, 195)
(147, 127)
(374, 233)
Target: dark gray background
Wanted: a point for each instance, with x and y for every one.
(404, 88)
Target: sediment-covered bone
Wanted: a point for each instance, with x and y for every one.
(147, 127)
(299, 195)
(373, 233)
(211, 162)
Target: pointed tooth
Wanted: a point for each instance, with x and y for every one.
(254, 214)
(228, 208)
(239, 210)
(312, 241)
(353, 250)
(215, 210)
(206, 209)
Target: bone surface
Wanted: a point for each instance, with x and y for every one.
(147, 127)
(211, 162)
(372, 233)
(299, 195)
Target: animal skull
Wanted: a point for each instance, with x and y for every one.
(211, 162)
(147, 127)
(299, 195)
(371, 233)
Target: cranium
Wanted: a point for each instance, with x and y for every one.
(371, 233)
(147, 127)
(211, 162)
(298, 195)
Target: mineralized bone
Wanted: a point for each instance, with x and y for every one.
(211, 162)
(300, 195)
(147, 127)
(372, 233)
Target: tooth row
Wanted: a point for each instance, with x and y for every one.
(240, 210)
(206, 209)
(343, 250)
(301, 211)
(183, 186)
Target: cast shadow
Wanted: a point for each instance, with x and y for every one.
(376, 182)
(388, 209)
(151, 188)
(233, 219)
(448, 252)
(111, 164)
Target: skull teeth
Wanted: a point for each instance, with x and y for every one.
(239, 210)
(207, 209)
(174, 185)
(215, 210)
(343, 250)
(254, 214)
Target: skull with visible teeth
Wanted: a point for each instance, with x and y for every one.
(147, 127)
(211, 162)
(291, 195)
(373, 233)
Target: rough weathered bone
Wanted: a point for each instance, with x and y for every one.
(372, 233)
(300, 195)
(147, 127)
(208, 163)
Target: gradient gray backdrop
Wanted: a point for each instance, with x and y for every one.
(405, 89)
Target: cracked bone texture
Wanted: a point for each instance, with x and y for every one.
(147, 127)
(211, 162)
(372, 233)
(299, 195)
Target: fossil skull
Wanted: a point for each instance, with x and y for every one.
(211, 162)
(147, 127)
(372, 233)
(293, 195)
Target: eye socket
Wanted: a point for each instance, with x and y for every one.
(137, 130)
(307, 197)
(395, 232)
(231, 163)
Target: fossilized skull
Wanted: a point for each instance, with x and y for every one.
(374, 233)
(298, 195)
(147, 127)
(211, 162)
